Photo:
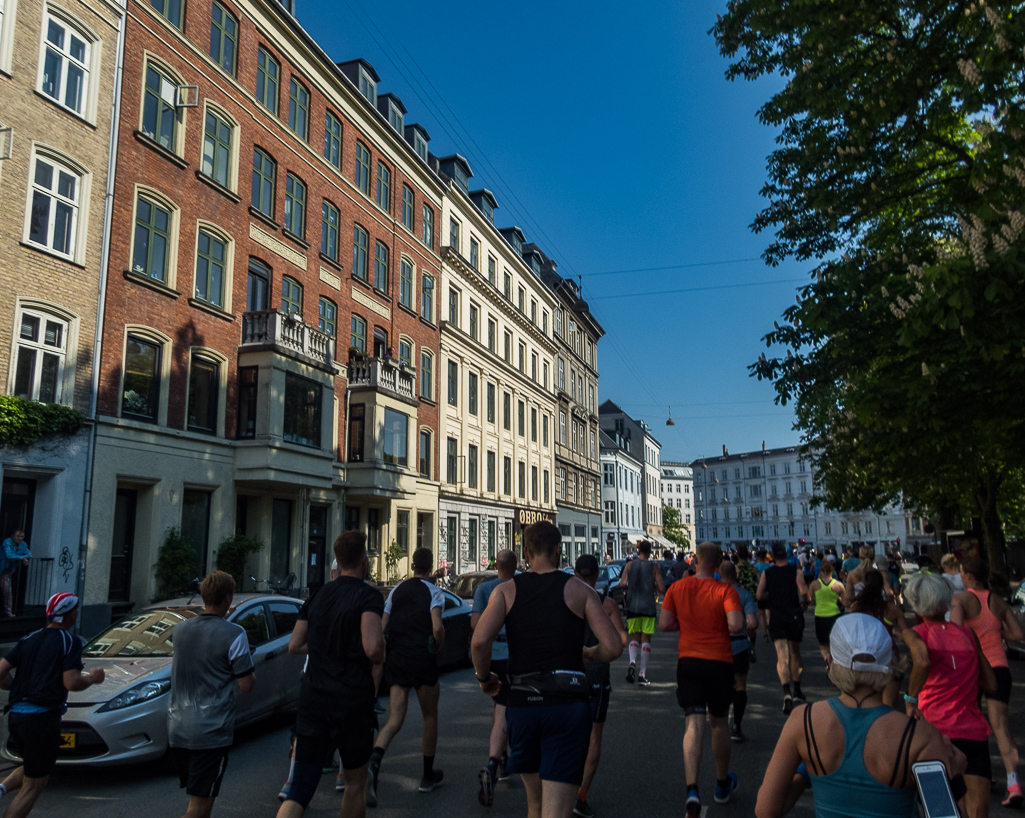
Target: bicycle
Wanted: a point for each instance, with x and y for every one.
(283, 588)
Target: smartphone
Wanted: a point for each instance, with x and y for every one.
(934, 789)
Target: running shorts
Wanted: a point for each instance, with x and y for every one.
(414, 673)
(704, 685)
(200, 772)
(351, 732)
(36, 737)
(1004, 683)
(550, 740)
(600, 694)
(640, 624)
(978, 756)
(823, 628)
(742, 662)
(789, 626)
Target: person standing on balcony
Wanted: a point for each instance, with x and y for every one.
(15, 557)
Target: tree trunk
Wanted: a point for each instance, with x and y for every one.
(992, 527)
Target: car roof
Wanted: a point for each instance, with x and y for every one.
(195, 602)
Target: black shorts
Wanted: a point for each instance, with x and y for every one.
(978, 756)
(704, 685)
(36, 738)
(200, 772)
(1004, 683)
(499, 669)
(601, 691)
(550, 740)
(786, 625)
(763, 604)
(742, 662)
(351, 732)
(414, 673)
(824, 627)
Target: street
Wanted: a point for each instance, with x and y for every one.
(641, 772)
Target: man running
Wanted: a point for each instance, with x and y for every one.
(549, 713)
(711, 611)
(48, 663)
(211, 656)
(741, 647)
(506, 564)
(599, 676)
(782, 588)
(412, 620)
(641, 578)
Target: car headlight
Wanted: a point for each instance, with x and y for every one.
(137, 695)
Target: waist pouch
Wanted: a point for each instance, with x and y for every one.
(548, 687)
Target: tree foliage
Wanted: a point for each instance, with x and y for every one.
(233, 554)
(24, 422)
(673, 530)
(177, 563)
(900, 172)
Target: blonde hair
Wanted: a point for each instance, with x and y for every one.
(848, 680)
(949, 561)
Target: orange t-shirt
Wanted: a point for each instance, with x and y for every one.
(701, 606)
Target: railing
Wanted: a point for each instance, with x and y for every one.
(36, 580)
(285, 331)
(383, 373)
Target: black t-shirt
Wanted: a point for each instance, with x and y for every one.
(410, 626)
(338, 674)
(781, 585)
(40, 660)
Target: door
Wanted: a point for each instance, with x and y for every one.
(122, 546)
(16, 504)
(319, 556)
(265, 695)
(279, 663)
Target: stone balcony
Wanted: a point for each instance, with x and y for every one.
(288, 335)
(384, 374)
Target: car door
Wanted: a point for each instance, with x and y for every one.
(285, 667)
(456, 616)
(264, 696)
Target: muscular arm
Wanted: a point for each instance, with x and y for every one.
(660, 584)
(802, 589)
(815, 585)
(246, 683)
(297, 641)
(371, 628)
(488, 626)
(76, 680)
(624, 577)
(920, 662)
(438, 627)
(612, 611)
(761, 594)
(961, 607)
(581, 598)
(987, 678)
(1012, 630)
(735, 621)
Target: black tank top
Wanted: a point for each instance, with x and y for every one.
(781, 584)
(543, 633)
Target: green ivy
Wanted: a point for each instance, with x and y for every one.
(24, 422)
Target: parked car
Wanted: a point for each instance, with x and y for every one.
(456, 617)
(465, 585)
(124, 719)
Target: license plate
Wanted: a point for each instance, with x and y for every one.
(68, 741)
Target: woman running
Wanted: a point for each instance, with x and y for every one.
(826, 594)
(872, 600)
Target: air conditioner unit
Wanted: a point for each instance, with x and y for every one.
(187, 96)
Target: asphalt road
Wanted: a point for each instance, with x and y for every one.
(641, 771)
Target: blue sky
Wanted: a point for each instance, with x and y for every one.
(615, 142)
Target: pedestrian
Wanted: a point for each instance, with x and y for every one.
(498, 741)
(39, 671)
(641, 579)
(705, 612)
(340, 631)
(416, 635)
(852, 750)
(742, 648)
(872, 600)
(945, 684)
(782, 587)
(545, 611)
(15, 560)
(599, 677)
(992, 621)
(826, 594)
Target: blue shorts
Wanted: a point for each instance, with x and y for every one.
(551, 741)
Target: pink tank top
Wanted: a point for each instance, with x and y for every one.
(949, 699)
(989, 630)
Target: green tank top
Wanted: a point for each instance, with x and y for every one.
(826, 600)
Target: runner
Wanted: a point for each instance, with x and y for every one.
(412, 620)
(742, 648)
(992, 620)
(495, 769)
(711, 611)
(641, 579)
(782, 587)
(599, 676)
(340, 630)
(549, 714)
(48, 663)
(763, 564)
(872, 600)
(827, 594)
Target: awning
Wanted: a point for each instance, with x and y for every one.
(662, 541)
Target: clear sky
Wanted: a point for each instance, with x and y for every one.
(609, 134)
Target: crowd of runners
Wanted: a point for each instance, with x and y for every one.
(542, 650)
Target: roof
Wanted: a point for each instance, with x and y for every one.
(366, 65)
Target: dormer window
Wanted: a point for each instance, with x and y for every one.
(462, 177)
(420, 144)
(394, 111)
(456, 168)
(486, 203)
(367, 86)
(395, 118)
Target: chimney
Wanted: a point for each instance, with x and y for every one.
(725, 451)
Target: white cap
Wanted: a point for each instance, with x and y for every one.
(861, 642)
(334, 565)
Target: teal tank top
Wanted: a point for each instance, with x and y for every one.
(850, 791)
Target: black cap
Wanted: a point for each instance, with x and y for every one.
(586, 565)
(779, 551)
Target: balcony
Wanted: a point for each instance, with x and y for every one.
(383, 373)
(273, 329)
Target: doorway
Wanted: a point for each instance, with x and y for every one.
(122, 546)
(319, 555)
(17, 503)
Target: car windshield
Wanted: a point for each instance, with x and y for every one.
(144, 634)
(466, 586)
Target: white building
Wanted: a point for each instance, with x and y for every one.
(635, 437)
(677, 491)
(622, 498)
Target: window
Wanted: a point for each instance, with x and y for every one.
(295, 205)
(533, 426)
(66, 65)
(299, 109)
(492, 270)
(204, 391)
(395, 437)
(332, 139)
(519, 298)
(327, 316)
(544, 374)
(521, 418)
(247, 392)
(547, 486)
(490, 403)
(427, 298)
(426, 375)
(453, 383)
(474, 322)
(507, 476)
(381, 267)
(367, 87)
(471, 393)
(453, 306)
(264, 173)
(302, 410)
(223, 37)
(169, 9)
(533, 311)
(151, 240)
(521, 481)
(268, 77)
(425, 453)
(562, 428)
(217, 146)
(471, 466)
(492, 332)
(291, 296)
(544, 431)
(362, 177)
(257, 287)
(533, 366)
(406, 283)
(360, 243)
(39, 360)
(358, 334)
(405, 352)
(452, 460)
(211, 263)
(428, 227)
(507, 411)
(508, 347)
(490, 458)
(521, 356)
(160, 119)
(507, 287)
(329, 230)
(140, 397)
(402, 531)
(383, 186)
(407, 207)
(533, 483)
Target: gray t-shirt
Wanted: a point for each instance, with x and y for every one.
(210, 653)
(500, 647)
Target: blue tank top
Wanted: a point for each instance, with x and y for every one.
(850, 784)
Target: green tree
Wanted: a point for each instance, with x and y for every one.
(233, 553)
(176, 564)
(900, 173)
(673, 530)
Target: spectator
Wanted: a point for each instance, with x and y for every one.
(15, 560)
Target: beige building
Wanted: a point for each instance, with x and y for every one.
(58, 69)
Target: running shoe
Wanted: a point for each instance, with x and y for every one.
(631, 674)
(372, 773)
(722, 794)
(693, 803)
(799, 699)
(582, 810)
(486, 776)
(283, 795)
(503, 774)
(1014, 798)
(643, 681)
(428, 783)
(788, 703)
(737, 735)
(340, 782)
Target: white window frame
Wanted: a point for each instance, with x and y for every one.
(70, 25)
(79, 224)
(8, 13)
(46, 311)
